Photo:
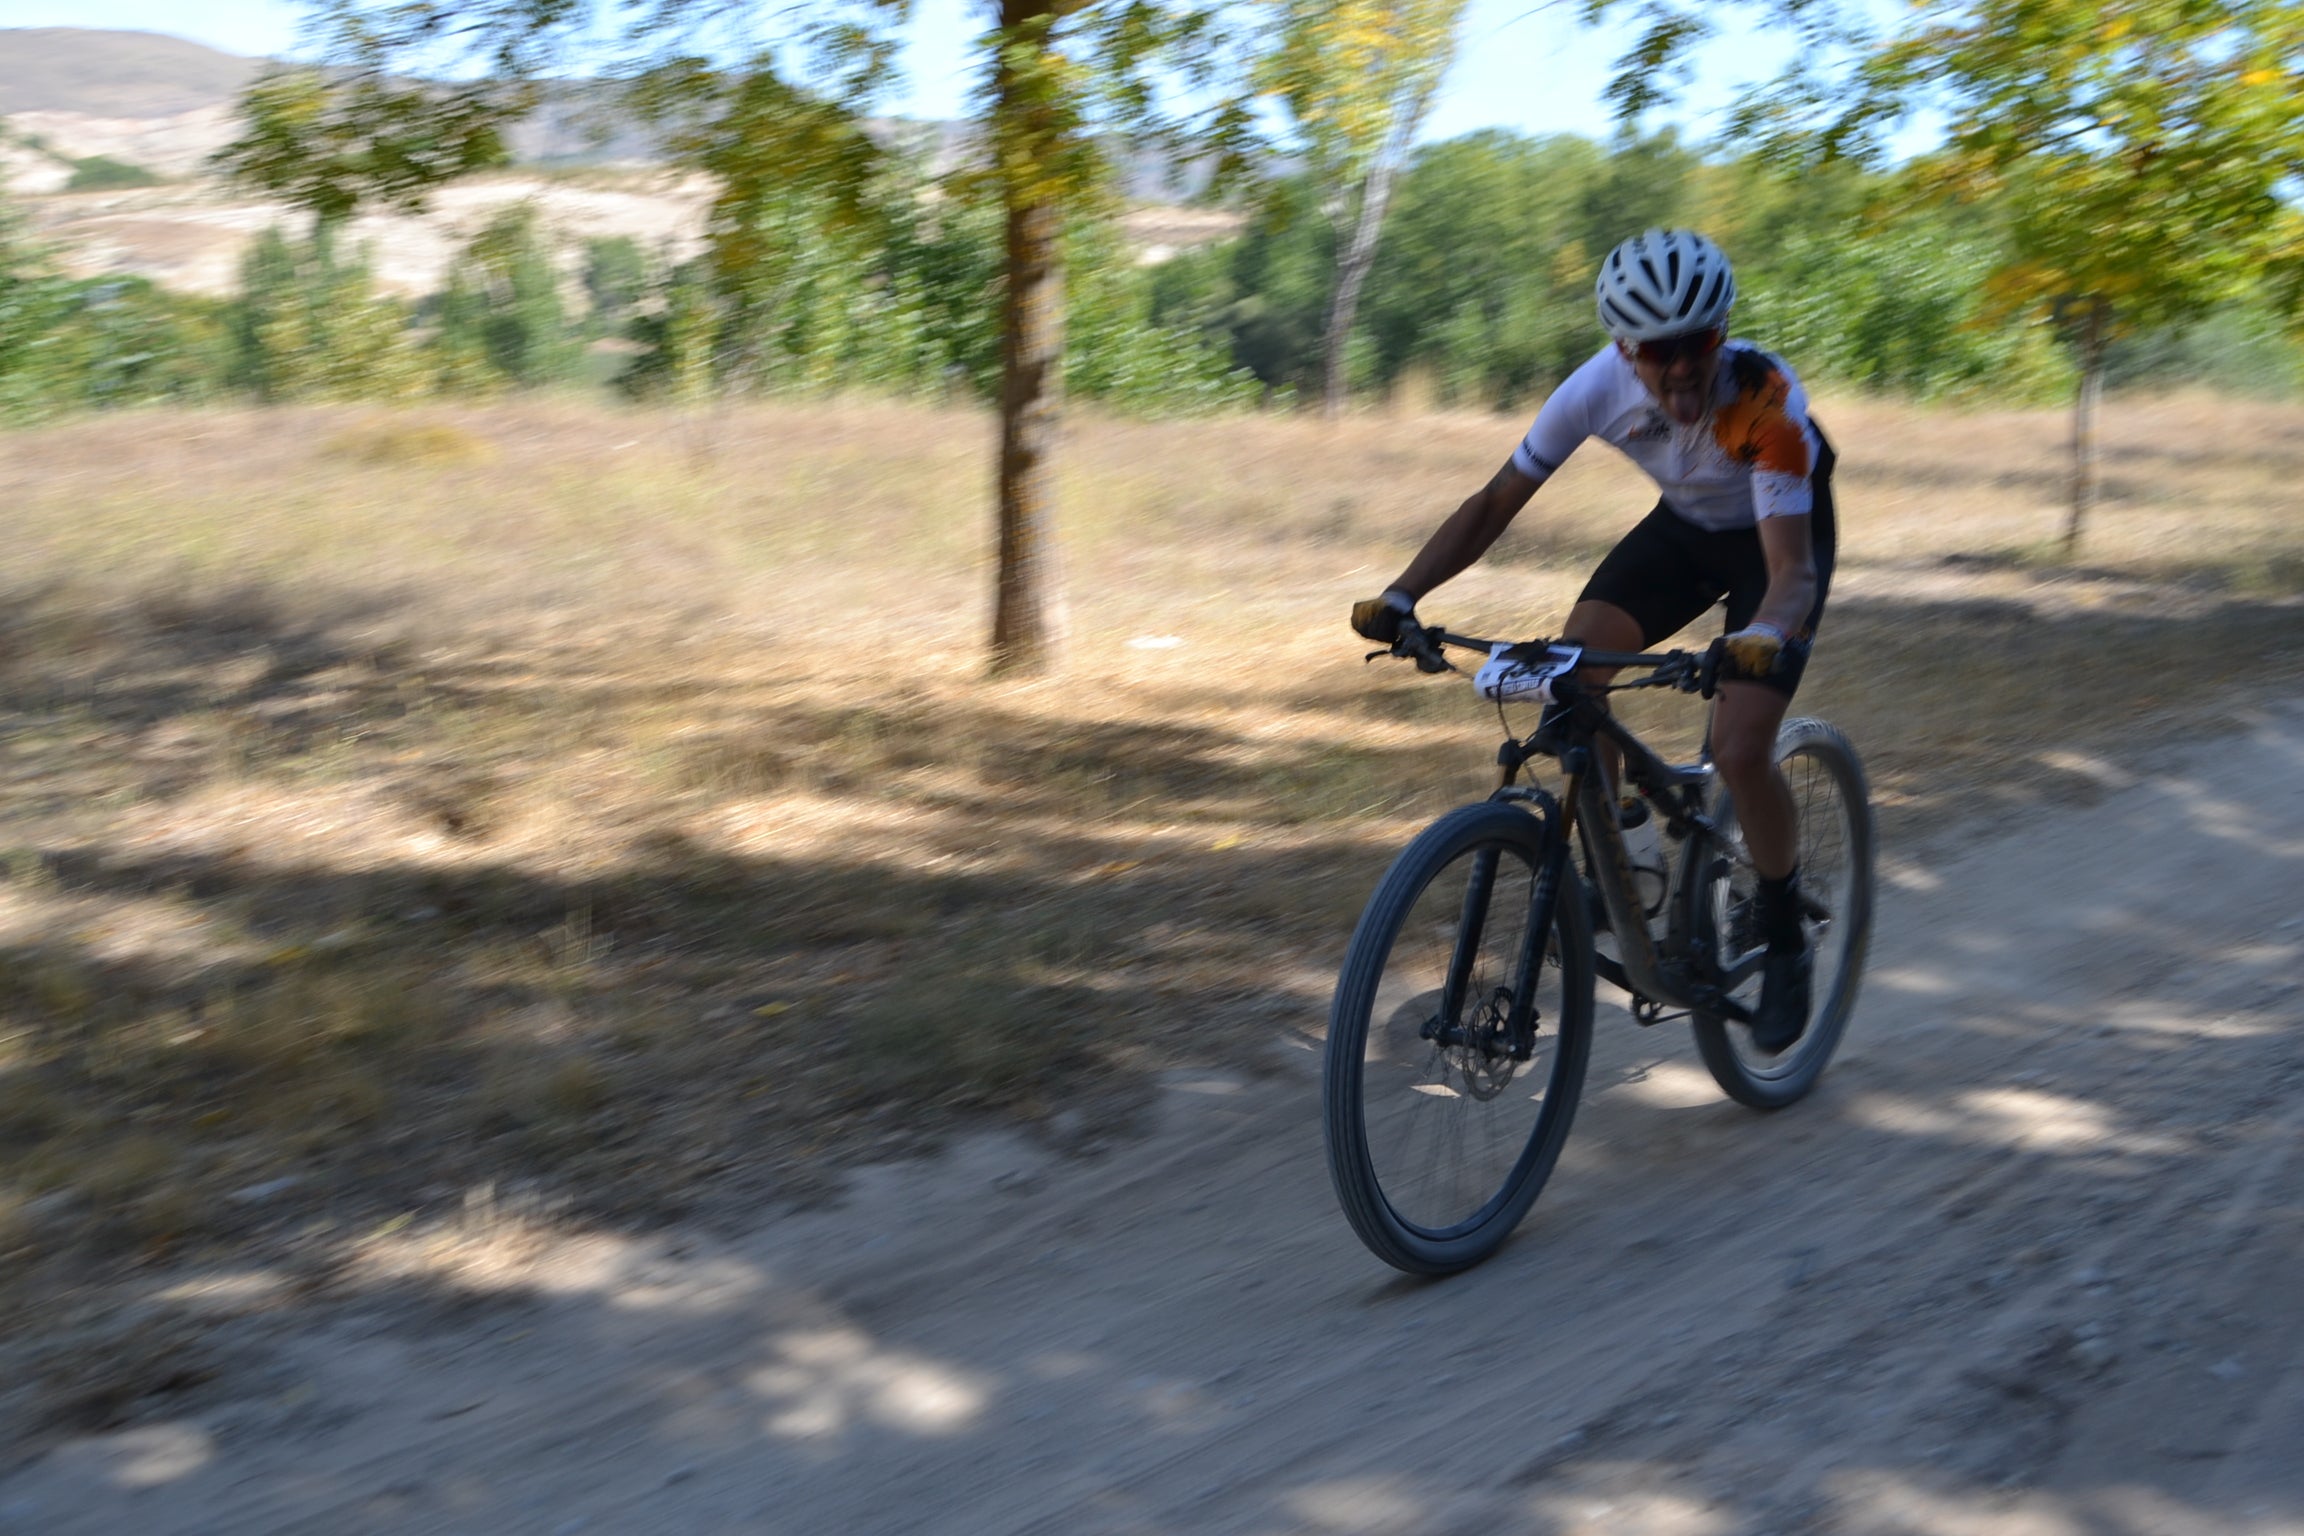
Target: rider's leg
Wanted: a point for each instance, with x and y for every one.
(1744, 722)
(1652, 584)
(1603, 627)
(1745, 719)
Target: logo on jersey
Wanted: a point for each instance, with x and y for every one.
(1652, 428)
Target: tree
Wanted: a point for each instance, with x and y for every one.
(801, 230)
(1482, 280)
(125, 341)
(309, 325)
(100, 342)
(1062, 70)
(2146, 150)
(617, 276)
(329, 140)
(1264, 293)
(34, 299)
(1357, 78)
(2143, 153)
(502, 308)
(1061, 74)
(1643, 184)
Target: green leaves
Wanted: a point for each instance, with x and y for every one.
(1357, 77)
(2143, 144)
(501, 323)
(2141, 152)
(328, 144)
(308, 325)
(96, 342)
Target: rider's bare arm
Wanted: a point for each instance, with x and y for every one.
(1786, 544)
(1472, 527)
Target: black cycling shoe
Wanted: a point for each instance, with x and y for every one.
(1782, 1017)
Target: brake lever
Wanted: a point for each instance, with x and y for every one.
(1423, 663)
(1427, 658)
(1416, 644)
(1708, 671)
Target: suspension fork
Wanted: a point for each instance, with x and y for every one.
(1472, 923)
(1543, 902)
(1470, 927)
(1543, 898)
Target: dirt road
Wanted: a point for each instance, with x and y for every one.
(2031, 1263)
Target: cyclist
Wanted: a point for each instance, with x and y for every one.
(1746, 515)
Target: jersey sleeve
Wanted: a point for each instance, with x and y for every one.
(1765, 426)
(1562, 423)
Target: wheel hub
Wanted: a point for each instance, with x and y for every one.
(1481, 1051)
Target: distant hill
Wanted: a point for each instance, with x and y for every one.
(165, 106)
(114, 74)
(122, 77)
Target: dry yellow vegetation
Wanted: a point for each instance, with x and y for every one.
(610, 805)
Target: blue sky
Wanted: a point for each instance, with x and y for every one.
(1523, 64)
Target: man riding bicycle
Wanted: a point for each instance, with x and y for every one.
(1746, 516)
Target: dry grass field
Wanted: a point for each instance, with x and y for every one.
(607, 810)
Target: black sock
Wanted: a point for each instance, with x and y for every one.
(1779, 908)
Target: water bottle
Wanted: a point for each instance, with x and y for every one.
(1644, 847)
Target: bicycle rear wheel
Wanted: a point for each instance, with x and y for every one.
(1438, 1138)
(1836, 854)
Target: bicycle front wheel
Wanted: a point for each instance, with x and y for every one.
(1836, 856)
(1457, 1042)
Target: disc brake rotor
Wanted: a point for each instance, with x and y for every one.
(1484, 1060)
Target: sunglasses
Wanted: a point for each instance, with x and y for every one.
(1667, 350)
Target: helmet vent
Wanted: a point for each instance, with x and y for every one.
(1664, 282)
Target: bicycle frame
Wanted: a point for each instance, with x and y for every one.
(1680, 973)
(1683, 973)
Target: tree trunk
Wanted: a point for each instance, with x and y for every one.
(1359, 252)
(1031, 369)
(1352, 264)
(1031, 394)
(2095, 335)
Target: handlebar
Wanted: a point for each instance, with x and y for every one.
(1687, 671)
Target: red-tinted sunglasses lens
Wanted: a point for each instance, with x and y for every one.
(1671, 349)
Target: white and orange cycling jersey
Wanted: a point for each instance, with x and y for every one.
(1749, 458)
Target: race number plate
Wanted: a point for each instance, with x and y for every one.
(1522, 674)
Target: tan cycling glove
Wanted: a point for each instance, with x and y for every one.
(1379, 618)
(1755, 648)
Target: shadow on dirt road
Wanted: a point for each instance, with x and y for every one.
(2025, 1264)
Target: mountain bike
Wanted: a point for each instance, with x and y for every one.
(1462, 1020)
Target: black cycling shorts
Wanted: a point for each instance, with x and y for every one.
(1667, 571)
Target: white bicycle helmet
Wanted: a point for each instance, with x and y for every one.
(1664, 282)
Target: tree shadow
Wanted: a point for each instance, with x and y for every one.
(1748, 1364)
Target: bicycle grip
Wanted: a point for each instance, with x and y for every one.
(1414, 643)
